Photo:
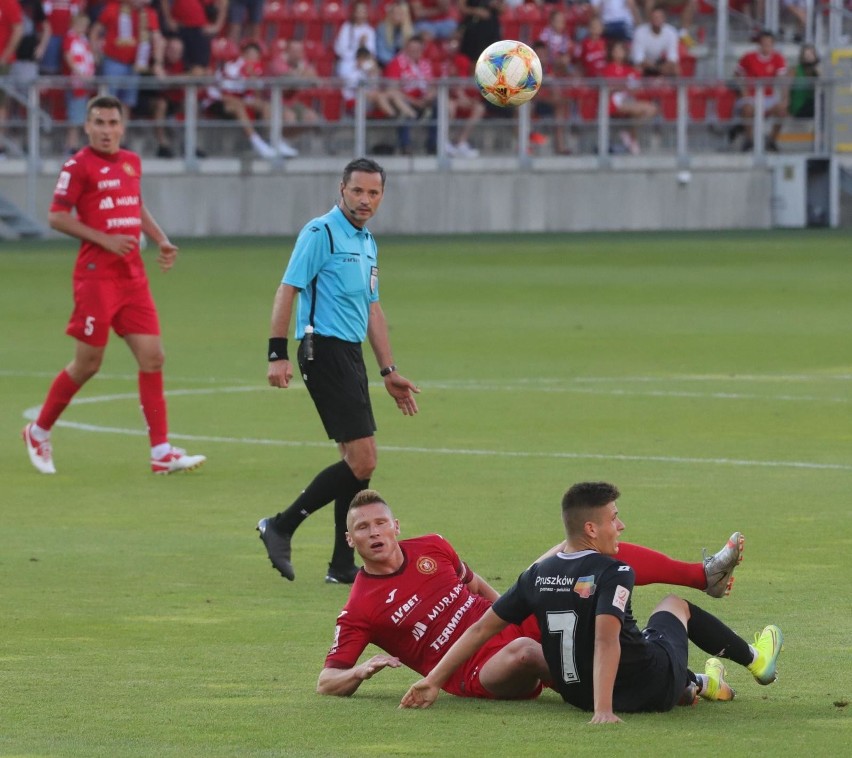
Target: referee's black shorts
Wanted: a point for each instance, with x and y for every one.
(337, 380)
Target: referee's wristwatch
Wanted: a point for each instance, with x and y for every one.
(388, 370)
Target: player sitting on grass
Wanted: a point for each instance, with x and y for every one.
(413, 598)
(597, 658)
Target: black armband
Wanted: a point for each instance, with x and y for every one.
(387, 370)
(277, 349)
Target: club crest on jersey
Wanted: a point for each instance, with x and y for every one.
(128, 169)
(585, 586)
(427, 565)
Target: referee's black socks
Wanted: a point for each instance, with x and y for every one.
(333, 483)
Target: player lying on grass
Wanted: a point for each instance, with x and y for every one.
(413, 598)
(597, 658)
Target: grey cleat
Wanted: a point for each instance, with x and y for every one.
(719, 568)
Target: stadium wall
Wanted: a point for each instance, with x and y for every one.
(556, 195)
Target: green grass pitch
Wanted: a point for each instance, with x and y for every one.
(708, 375)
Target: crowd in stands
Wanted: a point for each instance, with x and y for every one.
(395, 50)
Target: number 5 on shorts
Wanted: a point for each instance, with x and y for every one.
(89, 328)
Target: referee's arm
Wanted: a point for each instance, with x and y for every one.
(398, 387)
(280, 372)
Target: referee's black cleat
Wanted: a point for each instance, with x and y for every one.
(341, 575)
(277, 547)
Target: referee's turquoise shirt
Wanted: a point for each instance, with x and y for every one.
(334, 265)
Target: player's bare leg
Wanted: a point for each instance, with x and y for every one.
(516, 670)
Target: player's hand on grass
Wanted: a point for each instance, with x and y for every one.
(375, 664)
(420, 695)
(605, 717)
(120, 244)
(403, 391)
(168, 254)
(279, 374)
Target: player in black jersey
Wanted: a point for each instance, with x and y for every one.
(598, 658)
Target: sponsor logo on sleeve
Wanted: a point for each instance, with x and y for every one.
(374, 278)
(585, 586)
(63, 182)
(620, 598)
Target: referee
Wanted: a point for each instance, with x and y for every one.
(334, 270)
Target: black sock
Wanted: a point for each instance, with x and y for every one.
(714, 637)
(343, 555)
(330, 483)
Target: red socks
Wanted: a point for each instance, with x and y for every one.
(59, 395)
(652, 567)
(154, 406)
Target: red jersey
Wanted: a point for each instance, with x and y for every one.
(189, 13)
(60, 13)
(78, 60)
(754, 65)
(591, 55)
(414, 76)
(10, 14)
(105, 190)
(121, 30)
(415, 614)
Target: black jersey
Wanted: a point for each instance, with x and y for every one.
(566, 593)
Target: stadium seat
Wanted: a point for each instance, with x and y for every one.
(276, 22)
(523, 23)
(305, 19)
(332, 16)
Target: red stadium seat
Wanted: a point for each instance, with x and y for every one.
(305, 20)
(523, 23)
(276, 22)
(697, 103)
(333, 15)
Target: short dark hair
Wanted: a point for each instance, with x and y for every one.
(766, 33)
(580, 500)
(367, 165)
(103, 101)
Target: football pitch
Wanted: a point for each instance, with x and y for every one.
(708, 375)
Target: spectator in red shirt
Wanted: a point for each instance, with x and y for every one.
(763, 63)
(434, 19)
(11, 31)
(591, 53)
(158, 104)
(464, 102)
(233, 98)
(60, 14)
(79, 64)
(196, 23)
(416, 80)
(622, 77)
(129, 32)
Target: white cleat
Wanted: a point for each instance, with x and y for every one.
(176, 460)
(41, 453)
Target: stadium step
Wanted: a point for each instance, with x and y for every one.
(15, 224)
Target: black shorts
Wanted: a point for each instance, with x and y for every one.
(196, 46)
(337, 381)
(666, 632)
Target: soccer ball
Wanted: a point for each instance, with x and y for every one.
(508, 73)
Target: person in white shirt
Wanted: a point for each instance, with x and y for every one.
(619, 18)
(655, 46)
(352, 35)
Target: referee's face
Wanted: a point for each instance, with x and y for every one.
(361, 197)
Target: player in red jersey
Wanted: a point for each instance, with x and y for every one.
(415, 597)
(111, 290)
(763, 63)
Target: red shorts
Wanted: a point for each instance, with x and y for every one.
(125, 305)
(465, 681)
